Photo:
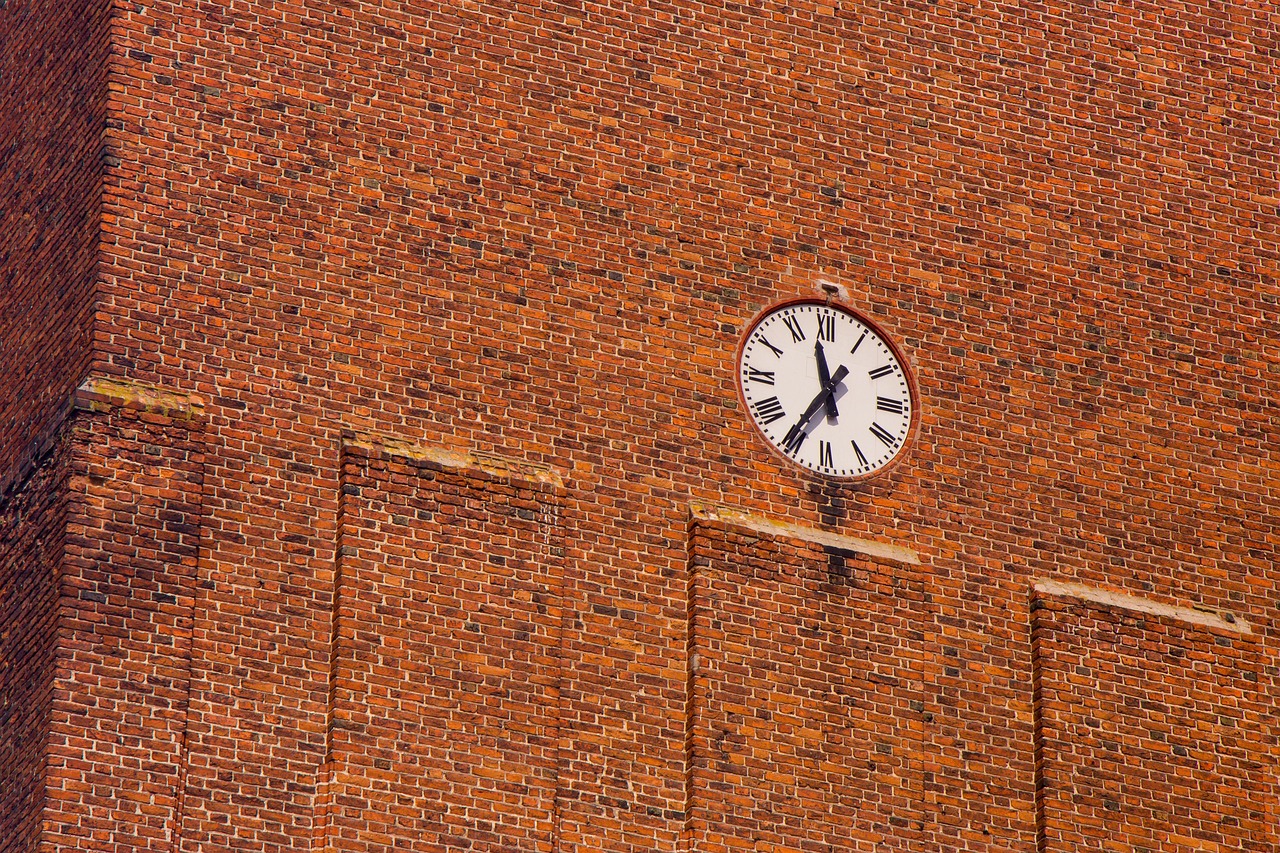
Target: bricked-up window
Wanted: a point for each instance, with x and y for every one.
(1151, 730)
(804, 695)
(444, 706)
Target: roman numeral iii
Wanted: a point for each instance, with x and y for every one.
(885, 404)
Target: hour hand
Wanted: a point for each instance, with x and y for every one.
(824, 377)
(796, 435)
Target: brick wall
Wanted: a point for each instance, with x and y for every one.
(98, 564)
(537, 232)
(807, 714)
(127, 591)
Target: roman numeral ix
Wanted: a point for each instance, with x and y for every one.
(762, 376)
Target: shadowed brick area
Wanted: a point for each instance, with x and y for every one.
(53, 122)
(1152, 731)
(98, 560)
(447, 659)
(33, 520)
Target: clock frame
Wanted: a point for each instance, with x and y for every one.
(827, 388)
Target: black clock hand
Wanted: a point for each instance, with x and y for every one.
(796, 435)
(824, 376)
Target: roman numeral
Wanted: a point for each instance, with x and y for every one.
(882, 434)
(862, 460)
(793, 326)
(826, 327)
(885, 404)
(881, 371)
(763, 376)
(795, 437)
(824, 454)
(858, 344)
(765, 341)
(769, 410)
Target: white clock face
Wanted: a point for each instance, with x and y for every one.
(826, 389)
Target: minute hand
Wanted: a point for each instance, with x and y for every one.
(796, 434)
(824, 376)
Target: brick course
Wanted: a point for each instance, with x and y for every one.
(533, 235)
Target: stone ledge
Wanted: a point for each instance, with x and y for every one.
(99, 394)
(759, 524)
(492, 464)
(1223, 620)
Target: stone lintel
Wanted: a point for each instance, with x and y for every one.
(770, 527)
(495, 465)
(1223, 620)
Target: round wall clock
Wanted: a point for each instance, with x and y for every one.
(826, 388)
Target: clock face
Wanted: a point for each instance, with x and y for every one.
(826, 389)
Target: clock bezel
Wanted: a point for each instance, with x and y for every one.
(878, 329)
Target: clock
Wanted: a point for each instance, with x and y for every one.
(826, 388)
